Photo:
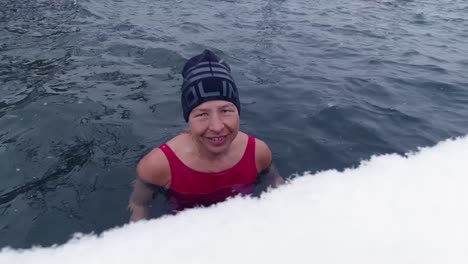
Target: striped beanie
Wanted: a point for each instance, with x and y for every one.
(207, 78)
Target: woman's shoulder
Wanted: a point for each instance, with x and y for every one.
(181, 141)
(263, 156)
(154, 168)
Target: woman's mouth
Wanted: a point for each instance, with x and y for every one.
(217, 141)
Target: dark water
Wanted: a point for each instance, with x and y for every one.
(88, 87)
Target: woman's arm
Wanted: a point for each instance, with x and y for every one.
(268, 171)
(272, 176)
(140, 199)
(153, 174)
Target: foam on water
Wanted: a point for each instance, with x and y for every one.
(391, 209)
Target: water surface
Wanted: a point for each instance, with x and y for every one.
(88, 87)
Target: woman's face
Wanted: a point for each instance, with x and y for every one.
(214, 125)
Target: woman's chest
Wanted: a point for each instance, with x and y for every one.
(212, 165)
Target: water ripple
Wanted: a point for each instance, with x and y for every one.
(74, 156)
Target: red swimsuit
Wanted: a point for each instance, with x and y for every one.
(190, 188)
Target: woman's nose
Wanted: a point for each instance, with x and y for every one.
(216, 124)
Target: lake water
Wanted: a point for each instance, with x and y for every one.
(88, 87)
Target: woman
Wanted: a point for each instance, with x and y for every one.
(211, 161)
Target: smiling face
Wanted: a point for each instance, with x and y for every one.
(214, 125)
